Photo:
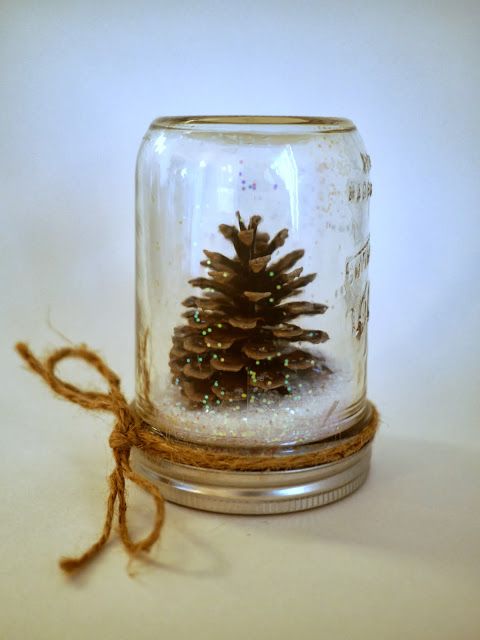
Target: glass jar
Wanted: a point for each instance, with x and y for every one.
(252, 283)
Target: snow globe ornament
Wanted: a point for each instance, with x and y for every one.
(252, 310)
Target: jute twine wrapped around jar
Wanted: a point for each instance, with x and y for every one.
(130, 431)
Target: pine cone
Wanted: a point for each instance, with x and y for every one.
(239, 342)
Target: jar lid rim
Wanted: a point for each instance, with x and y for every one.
(278, 123)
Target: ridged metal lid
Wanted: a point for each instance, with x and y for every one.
(245, 492)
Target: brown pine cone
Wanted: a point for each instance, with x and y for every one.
(239, 342)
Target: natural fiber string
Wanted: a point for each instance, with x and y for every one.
(122, 438)
(130, 431)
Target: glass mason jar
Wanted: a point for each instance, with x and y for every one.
(252, 283)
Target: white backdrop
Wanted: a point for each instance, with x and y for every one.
(81, 81)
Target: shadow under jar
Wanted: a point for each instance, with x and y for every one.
(252, 302)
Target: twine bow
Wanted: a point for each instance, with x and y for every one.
(129, 431)
(125, 434)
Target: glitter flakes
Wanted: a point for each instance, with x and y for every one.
(308, 412)
(244, 183)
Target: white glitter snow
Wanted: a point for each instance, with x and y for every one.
(307, 415)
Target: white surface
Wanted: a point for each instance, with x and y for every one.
(80, 83)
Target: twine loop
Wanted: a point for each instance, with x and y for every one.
(124, 435)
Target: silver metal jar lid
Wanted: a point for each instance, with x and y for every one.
(246, 492)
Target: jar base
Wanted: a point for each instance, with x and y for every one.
(255, 493)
